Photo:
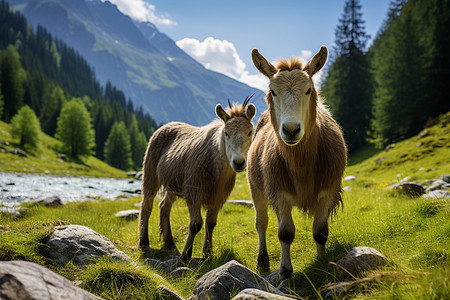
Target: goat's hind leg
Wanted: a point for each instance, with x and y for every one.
(146, 210)
(165, 230)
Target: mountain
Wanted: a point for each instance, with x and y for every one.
(143, 62)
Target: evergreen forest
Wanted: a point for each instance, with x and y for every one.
(42, 72)
(379, 94)
(394, 88)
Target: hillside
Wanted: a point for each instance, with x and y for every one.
(146, 64)
(421, 157)
(47, 161)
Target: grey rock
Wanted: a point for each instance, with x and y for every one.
(172, 264)
(272, 277)
(10, 211)
(168, 294)
(423, 133)
(245, 203)
(81, 245)
(361, 259)
(231, 277)
(349, 177)
(406, 179)
(333, 290)
(436, 185)
(380, 159)
(437, 194)
(62, 156)
(138, 175)
(130, 214)
(178, 272)
(347, 188)
(26, 280)
(52, 201)
(255, 294)
(412, 189)
(19, 152)
(446, 178)
(389, 147)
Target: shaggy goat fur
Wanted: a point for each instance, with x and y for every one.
(197, 164)
(305, 172)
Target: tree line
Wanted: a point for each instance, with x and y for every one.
(40, 74)
(394, 88)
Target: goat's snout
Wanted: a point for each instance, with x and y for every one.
(238, 164)
(290, 132)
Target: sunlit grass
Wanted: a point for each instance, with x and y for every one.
(413, 234)
(45, 160)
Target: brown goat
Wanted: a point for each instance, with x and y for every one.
(297, 157)
(198, 164)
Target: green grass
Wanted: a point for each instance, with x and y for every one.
(413, 233)
(45, 160)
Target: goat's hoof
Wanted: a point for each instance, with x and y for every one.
(283, 274)
(263, 268)
(144, 246)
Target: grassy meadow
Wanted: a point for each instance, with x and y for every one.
(413, 233)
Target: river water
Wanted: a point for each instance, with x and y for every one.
(16, 188)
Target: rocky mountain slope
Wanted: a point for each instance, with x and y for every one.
(143, 62)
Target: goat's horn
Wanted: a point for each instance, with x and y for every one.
(247, 99)
(229, 104)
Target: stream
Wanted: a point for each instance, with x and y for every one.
(16, 188)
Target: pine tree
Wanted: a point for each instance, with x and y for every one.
(411, 62)
(347, 87)
(74, 129)
(2, 102)
(399, 81)
(12, 79)
(52, 102)
(117, 147)
(25, 127)
(138, 143)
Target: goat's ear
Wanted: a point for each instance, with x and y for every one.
(262, 64)
(221, 113)
(316, 63)
(250, 112)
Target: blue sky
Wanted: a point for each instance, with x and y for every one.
(221, 34)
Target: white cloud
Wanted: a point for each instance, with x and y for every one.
(142, 11)
(221, 56)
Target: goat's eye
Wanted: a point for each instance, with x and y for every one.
(308, 91)
(226, 134)
(273, 93)
(251, 132)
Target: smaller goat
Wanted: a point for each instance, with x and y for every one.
(198, 164)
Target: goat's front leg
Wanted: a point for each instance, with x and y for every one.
(320, 228)
(261, 223)
(195, 225)
(286, 233)
(211, 220)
